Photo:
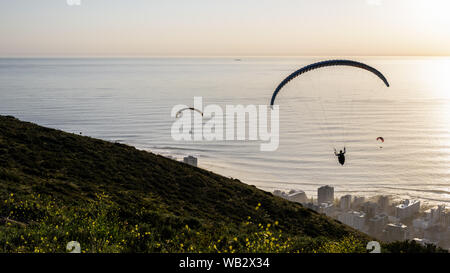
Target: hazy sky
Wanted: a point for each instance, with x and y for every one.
(224, 27)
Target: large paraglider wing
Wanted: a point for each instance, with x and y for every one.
(324, 64)
(188, 108)
(380, 138)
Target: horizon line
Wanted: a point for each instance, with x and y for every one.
(212, 56)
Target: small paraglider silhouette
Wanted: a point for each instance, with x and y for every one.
(380, 140)
(340, 155)
(180, 113)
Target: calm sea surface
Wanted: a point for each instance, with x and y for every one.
(130, 101)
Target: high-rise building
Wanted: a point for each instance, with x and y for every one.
(346, 202)
(358, 201)
(437, 215)
(190, 160)
(377, 224)
(383, 203)
(370, 208)
(325, 194)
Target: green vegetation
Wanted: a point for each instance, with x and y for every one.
(57, 187)
(46, 226)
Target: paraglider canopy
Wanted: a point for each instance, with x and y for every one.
(380, 139)
(188, 108)
(325, 64)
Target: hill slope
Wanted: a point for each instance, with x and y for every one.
(150, 190)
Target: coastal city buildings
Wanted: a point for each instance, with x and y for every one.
(380, 216)
(396, 232)
(297, 196)
(190, 160)
(358, 201)
(407, 209)
(384, 203)
(377, 224)
(355, 219)
(327, 208)
(325, 194)
(438, 216)
(346, 202)
(292, 195)
(370, 208)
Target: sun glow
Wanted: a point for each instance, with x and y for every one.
(437, 77)
(442, 81)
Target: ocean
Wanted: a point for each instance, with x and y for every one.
(129, 100)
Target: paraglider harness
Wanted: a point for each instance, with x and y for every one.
(341, 156)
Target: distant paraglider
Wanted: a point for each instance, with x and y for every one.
(380, 140)
(341, 156)
(179, 113)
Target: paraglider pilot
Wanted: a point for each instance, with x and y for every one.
(340, 155)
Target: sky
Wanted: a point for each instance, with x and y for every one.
(224, 28)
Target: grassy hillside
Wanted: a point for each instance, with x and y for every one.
(56, 187)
